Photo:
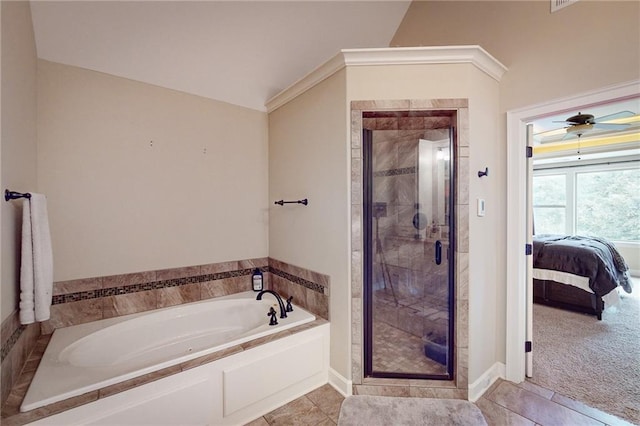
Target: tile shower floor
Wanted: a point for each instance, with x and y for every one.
(400, 352)
(504, 403)
(400, 349)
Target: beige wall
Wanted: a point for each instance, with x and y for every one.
(486, 267)
(18, 143)
(308, 158)
(588, 45)
(140, 177)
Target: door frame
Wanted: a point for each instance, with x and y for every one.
(516, 210)
(367, 229)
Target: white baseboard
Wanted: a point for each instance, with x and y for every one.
(340, 383)
(484, 382)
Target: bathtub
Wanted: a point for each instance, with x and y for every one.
(91, 356)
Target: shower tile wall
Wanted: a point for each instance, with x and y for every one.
(394, 178)
(92, 299)
(421, 291)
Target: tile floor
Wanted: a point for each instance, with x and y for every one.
(405, 357)
(503, 404)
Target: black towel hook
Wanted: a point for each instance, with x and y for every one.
(483, 173)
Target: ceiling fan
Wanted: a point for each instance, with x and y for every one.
(579, 124)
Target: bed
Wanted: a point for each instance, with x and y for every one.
(577, 273)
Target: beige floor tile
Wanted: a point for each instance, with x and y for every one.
(497, 415)
(607, 418)
(260, 421)
(534, 407)
(328, 400)
(300, 411)
(543, 392)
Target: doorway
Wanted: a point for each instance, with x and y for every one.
(516, 212)
(408, 244)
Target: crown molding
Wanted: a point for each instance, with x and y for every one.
(474, 55)
(316, 76)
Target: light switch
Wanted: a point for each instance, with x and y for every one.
(480, 207)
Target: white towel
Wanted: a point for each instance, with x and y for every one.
(36, 269)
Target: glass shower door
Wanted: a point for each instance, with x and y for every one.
(408, 261)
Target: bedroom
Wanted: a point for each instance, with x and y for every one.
(585, 179)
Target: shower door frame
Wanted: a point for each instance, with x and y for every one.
(368, 272)
(458, 386)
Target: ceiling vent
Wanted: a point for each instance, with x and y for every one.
(556, 5)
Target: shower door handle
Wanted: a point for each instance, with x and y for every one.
(438, 252)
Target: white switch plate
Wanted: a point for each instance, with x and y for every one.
(480, 207)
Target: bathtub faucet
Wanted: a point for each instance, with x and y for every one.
(283, 310)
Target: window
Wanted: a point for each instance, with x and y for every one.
(608, 203)
(597, 200)
(550, 204)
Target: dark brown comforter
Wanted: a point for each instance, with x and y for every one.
(591, 257)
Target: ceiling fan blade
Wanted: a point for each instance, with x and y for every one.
(550, 133)
(621, 114)
(611, 126)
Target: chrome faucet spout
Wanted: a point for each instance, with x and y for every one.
(283, 310)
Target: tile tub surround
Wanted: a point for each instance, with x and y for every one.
(92, 299)
(10, 410)
(309, 289)
(399, 159)
(17, 342)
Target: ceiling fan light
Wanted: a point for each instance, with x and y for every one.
(580, 129)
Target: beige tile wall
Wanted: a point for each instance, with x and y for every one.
(92, 299)
(17, 342)
(457, 388)
(309, 289)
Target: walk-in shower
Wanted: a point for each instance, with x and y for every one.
(408, 219)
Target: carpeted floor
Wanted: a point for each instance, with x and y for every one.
(364, 410)
(591, 361)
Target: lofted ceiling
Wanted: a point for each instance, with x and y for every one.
(240, 52)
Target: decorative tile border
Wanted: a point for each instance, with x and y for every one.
(13, 339)
(176, 282)
(396, 172)
(298, 280)
(152, 285)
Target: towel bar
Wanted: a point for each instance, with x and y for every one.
(282, 202)
(13, 195)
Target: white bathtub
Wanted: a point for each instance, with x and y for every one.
(91, 356)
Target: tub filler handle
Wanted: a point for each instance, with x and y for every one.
(272, 313)
(283, 310)
(289, 306)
